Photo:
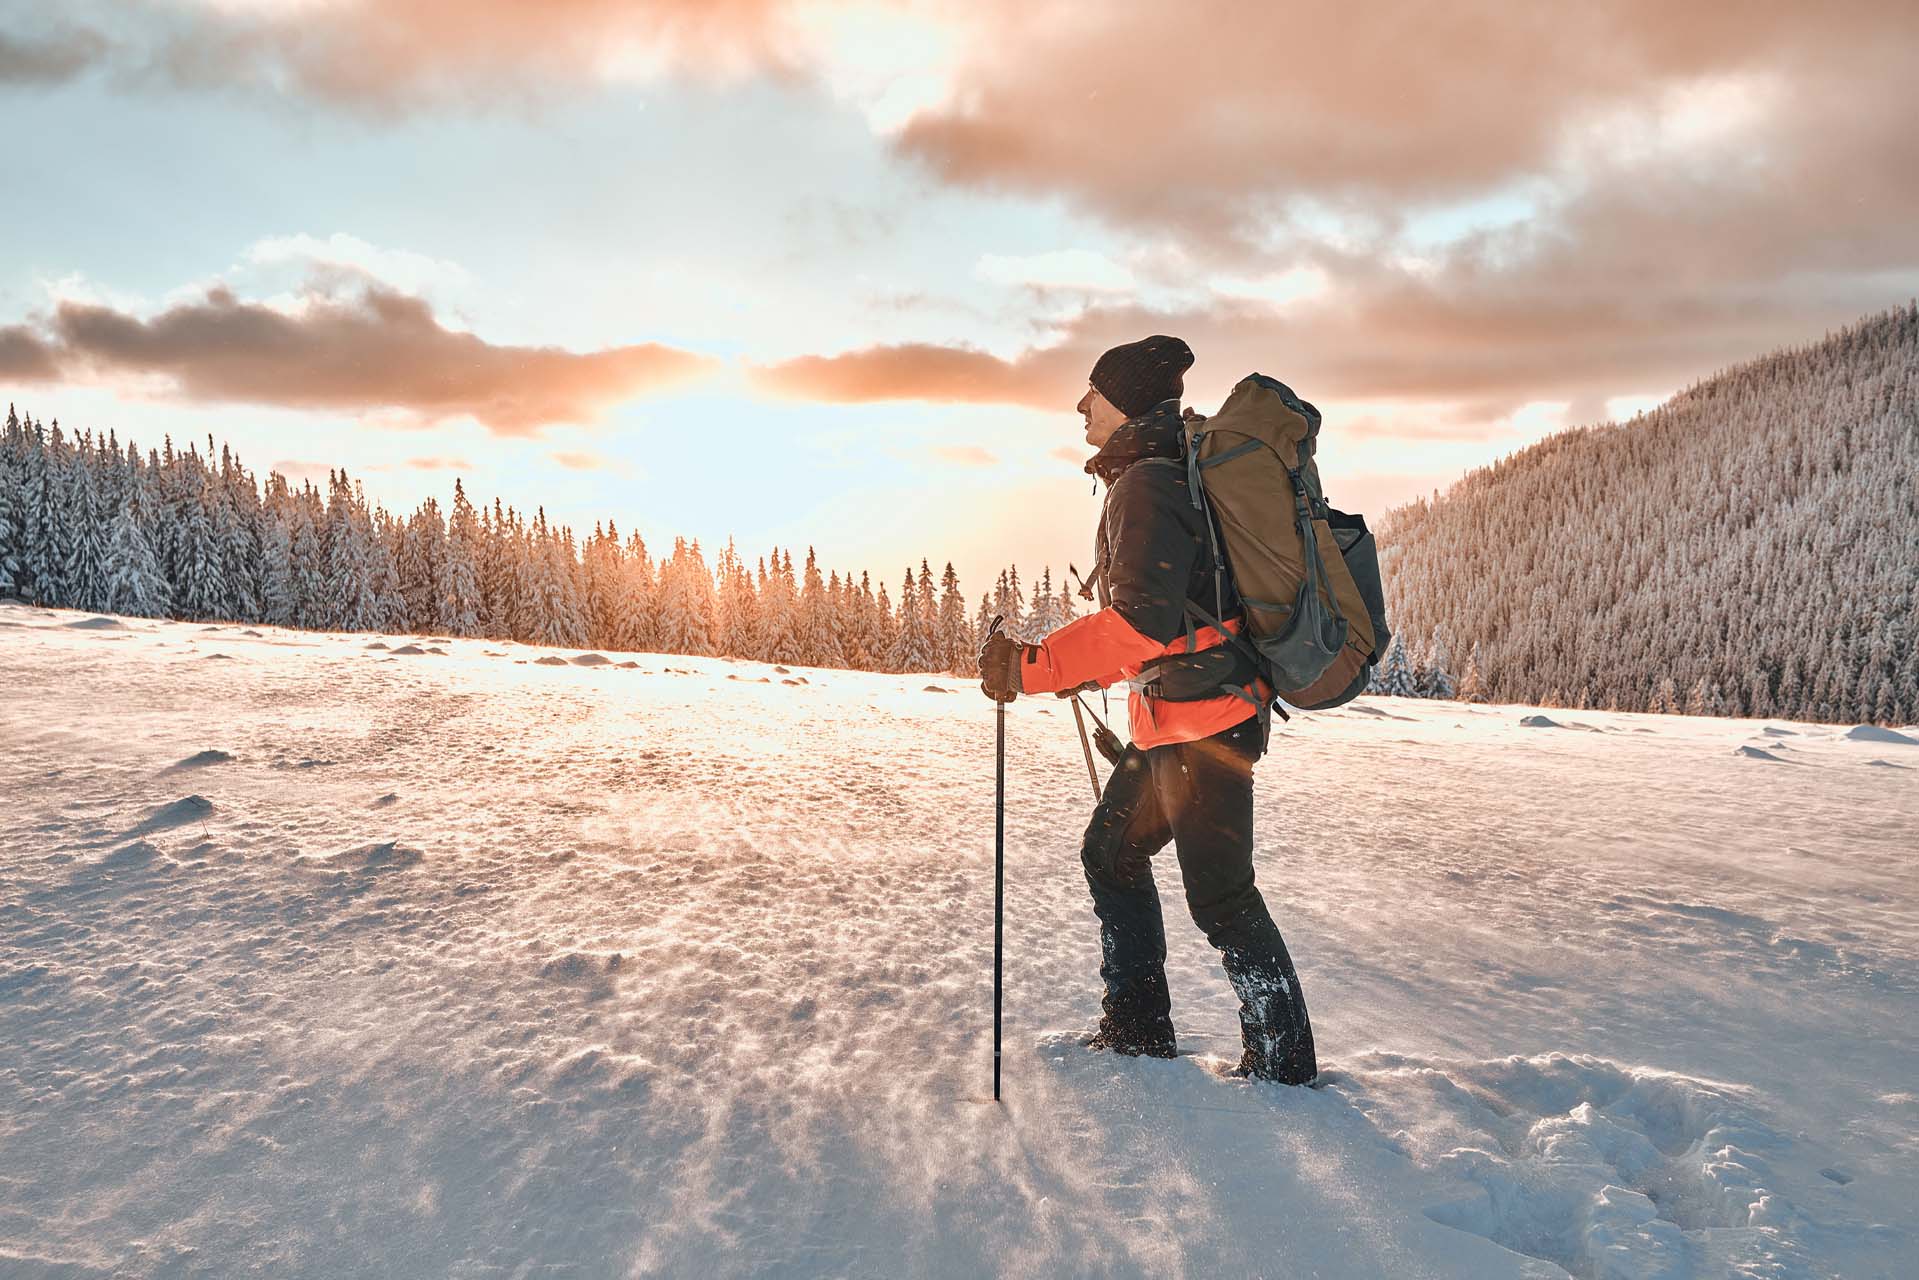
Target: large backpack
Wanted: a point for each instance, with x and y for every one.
(1306, 574)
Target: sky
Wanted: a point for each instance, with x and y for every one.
(834, 274)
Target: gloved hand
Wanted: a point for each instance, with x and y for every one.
(999, 660)
(1107, 743)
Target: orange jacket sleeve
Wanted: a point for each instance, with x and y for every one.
(1096, 647)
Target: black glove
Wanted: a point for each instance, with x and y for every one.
(1107, 743)
(999, 660)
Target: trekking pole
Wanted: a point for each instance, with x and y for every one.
(999, 866)
(1086, 748)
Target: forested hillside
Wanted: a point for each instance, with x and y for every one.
(1749, 548)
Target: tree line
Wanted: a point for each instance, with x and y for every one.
(88, 524)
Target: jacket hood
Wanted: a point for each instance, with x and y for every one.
(1160, 432)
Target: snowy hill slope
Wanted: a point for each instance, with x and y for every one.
(1748, 547)
(327, 955)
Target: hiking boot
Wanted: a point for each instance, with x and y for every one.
(1133, 1040)
(1285, 1068)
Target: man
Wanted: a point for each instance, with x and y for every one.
(1187, 777)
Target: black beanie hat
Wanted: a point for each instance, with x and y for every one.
(1135, 376)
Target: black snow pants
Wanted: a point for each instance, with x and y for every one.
(1199, 796)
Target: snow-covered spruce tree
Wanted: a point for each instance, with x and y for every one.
(1044, 618)
(1435, 675)
(885, 631)
(1395, 673)
(1471, 688)
(462, 604)
(10, 470)
(819, 643)
(422, 566)
(42, 520)
(279, 598)
(733, 595)
(1009, 601)
(927, 599)
(913, 645)
(234, 512)
(682, 611)
(389, 608)
(199, 574)
(88, 532)
(134, 584)
(958, 651)
(639, 606)
(779, 623)
(850, 619)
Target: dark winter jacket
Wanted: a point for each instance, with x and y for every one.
(1152, 554)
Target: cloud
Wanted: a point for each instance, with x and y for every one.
(965, 455)
(1168, 112)
(1453, 202)
(575, 460)
(58, 56)
(922, 371)
(391, 58)
(380, 354)
(439, 464)
(25, 356)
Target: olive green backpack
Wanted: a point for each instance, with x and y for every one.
(1307, 575)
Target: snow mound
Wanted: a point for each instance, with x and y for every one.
(1760, 753)
(434, 648)
(377, 644)
(590, 971)
(783, 671)
(132, 857)
(390, 797)
(1887, 764)
(592, 660)
(933, 688)
(1540, 722)
(1771, 732)
(96, 624)
(550, 661)
(1364, 710)
(1610, 1171)
(382, 855)
(409, 650)
(630, 665)
(217, 657)
(193, 808)
(1877, 733)
(201, 759)
(250, 632)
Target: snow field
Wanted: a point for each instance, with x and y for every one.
(324, 958)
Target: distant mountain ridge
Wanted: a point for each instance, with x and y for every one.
(1751, 547)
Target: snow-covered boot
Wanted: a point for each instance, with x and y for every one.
(1292, 1066)
(1136, 1017)
(1134, 1039)
(1273, 1025)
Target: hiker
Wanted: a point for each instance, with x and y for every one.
(1187, 776)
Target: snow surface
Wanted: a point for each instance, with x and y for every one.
(324, 960)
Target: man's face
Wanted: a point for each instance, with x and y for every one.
(1102, 419)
